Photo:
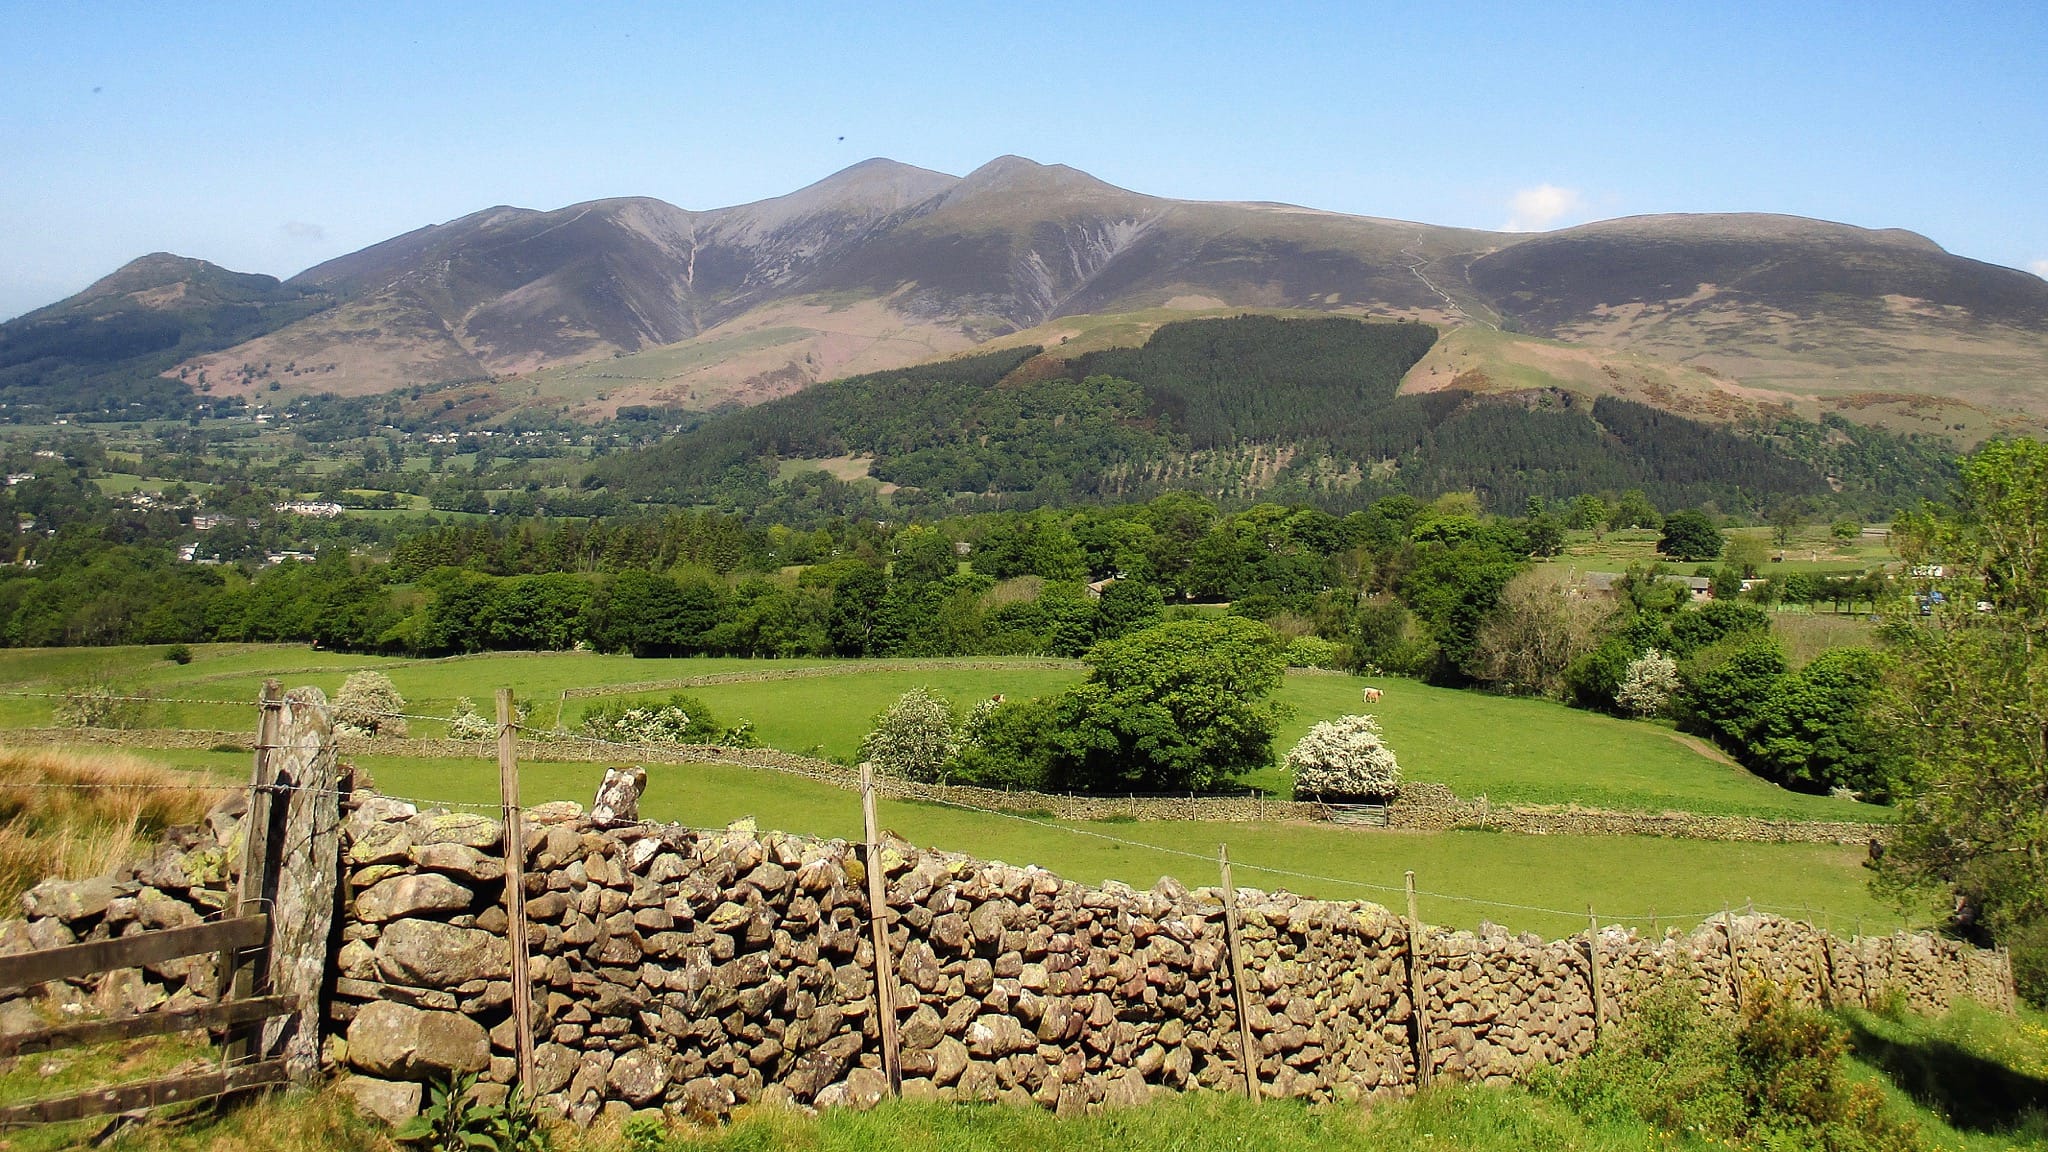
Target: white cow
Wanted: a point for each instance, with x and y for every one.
(1372, 695)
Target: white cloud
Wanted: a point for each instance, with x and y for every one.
(2039, 268)
(1537, 209)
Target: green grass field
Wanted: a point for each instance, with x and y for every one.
(1619, 875)
(1513, 751)
(1812, 548)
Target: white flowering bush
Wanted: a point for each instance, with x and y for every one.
(369, 705)
(680, 719)
(466, 724)
(641, 724)
(975, 727)
(1345, 757)
(913, 738)
(1648, 684)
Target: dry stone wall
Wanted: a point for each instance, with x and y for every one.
(696, 972)
(1425, 807)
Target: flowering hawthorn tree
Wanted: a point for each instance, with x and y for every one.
(913, 738)
(1345, 757)
(1648, 684)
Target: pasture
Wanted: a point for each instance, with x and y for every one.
(1812, 548)
(1461, 872)
(1511, 750)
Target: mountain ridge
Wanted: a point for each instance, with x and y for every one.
(635, 300)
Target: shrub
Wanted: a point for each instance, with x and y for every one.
(1789, 1064)
(179, 654)
(1592, 680)
(974, 729)
(466, 724)
(1311, 652)
(1648, 684)
(1007, 744)
(1387, 638)
(913, 738)
(1344, 757)
(680, 719)
(98, 704)
(1813, 732)
(369, 705)
(1775, 1079)
(1725, 683)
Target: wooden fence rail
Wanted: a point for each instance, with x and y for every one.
(75, 960)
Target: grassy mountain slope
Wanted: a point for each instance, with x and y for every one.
(1800, 307)
(104, 349)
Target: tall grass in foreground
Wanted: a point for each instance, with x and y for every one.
(77, 814)
(1972, 1081)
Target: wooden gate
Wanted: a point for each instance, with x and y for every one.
(272, 948)
(1369, 815)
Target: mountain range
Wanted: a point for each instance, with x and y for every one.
(635, 301)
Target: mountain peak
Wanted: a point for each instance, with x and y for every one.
(152, 271)
(877, 184)
(1019, 179)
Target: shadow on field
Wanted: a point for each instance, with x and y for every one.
(1973, 1093)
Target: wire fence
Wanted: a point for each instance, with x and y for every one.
(886, 787)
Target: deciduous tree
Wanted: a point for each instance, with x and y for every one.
(1968, 705)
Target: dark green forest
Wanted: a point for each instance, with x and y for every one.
(1244, 409)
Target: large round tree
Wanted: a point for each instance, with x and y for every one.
(1177, 707)
(1690, 535)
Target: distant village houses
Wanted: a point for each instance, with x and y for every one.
(208, 521)
(322, 508)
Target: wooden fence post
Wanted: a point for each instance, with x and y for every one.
(515, 889)
(1417, 1010)
(1734, 959)
(878, 922)
(1829, 993)
(1248, 1053)
(1593, 969)
(237, 980)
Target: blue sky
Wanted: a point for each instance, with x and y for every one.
(270, 137)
